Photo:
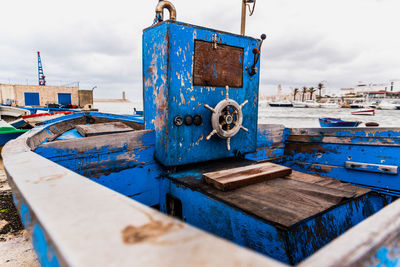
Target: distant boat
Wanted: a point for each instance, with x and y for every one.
(371, 105)
(388, 105)
(8, 113)
(283, 103)
(37, 119)
(367, 112)
(7, 132)
(358, 103)
(329, 105)
(298, 104)
(312, 104)
(337, 122)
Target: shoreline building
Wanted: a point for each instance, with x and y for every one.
(40, 96)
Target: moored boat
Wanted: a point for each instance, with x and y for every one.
(388, 105)
(283, 103)
(298, 104)
(337, 122)
(8, 113)
(35, 119)
(312, 104)
(358, 104)
(8, 132)
(364, 112)
(331, 105)
(201, 183)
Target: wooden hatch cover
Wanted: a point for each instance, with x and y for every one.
(229, 179)
(102, 128)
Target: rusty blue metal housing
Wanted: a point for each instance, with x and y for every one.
(169, 91)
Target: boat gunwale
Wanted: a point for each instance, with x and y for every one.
(359, 243)
(57, 181)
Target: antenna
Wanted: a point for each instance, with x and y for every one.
(251, 11)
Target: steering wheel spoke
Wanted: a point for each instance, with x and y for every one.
(226, 118)
(210, 108)
(211, 134)
(244, 128)
(244, 103)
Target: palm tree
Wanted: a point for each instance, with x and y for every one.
(304, 91)
(320, 86)
(311, 91)
(295, 92)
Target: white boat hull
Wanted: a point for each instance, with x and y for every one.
(299, 105)
(364, 112)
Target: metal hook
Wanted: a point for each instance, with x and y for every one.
(251, 11)
(160, 11)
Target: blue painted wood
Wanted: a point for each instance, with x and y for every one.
(71, 134)
(131, 172)
(46, 253)
(168, 51)
(290, 245)
(32, 99)
(270, 143)
(5, 137)
(64, 99)
(326, 152)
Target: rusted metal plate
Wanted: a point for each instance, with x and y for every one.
(217, 67)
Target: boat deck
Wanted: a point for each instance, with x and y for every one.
(282, 202)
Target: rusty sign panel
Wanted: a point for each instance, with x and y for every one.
(217, 66)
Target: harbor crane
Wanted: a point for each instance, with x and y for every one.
(42, 78)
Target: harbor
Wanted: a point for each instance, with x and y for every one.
(201, 162)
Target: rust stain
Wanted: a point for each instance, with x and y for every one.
(149, 232)
(50, 178)
(292, 148)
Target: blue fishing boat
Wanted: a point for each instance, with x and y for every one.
(198, 181)
(337, 122)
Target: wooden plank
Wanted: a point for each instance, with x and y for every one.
(328, 182)
(102, 128)
(242, 176)
(282, 202)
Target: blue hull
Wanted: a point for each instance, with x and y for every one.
(125, 164)
(5, 137)
(333, 122)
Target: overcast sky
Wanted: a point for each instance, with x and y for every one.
(99, 42)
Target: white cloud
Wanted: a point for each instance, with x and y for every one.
(99, 42)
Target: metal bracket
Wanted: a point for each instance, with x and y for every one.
(368, 167)
(214, 41)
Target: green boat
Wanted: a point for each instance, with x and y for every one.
(7, 132)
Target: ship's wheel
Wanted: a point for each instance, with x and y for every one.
(226, 118)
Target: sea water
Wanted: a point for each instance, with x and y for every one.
(289, 117)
